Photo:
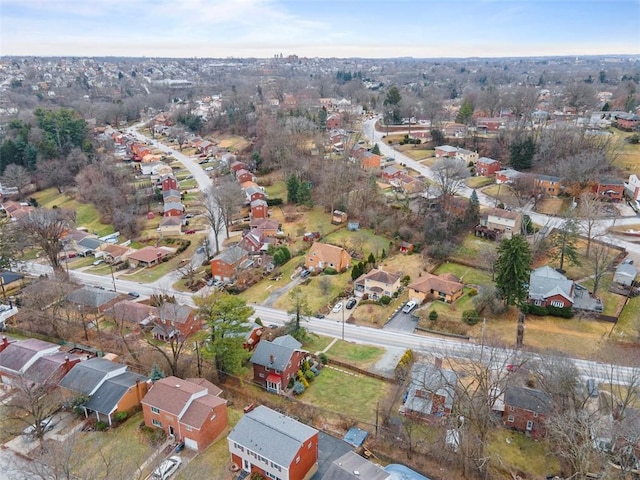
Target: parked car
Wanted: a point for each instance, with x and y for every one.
(208, 169)
(337, 308)
(409, 306)
(351, 303)
(189, 215)
(305, 273)
(134, 294)
(189, 232)
(97, 262)
(167, 468)
(46, 425)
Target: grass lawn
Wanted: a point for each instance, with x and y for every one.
(363, 241)
(86, 213)
(10, 426)
(466, 274)
(376, 315)
(416, 153)
(553, 206)
(476, 250)
(124, 446)
(347, 394)
(261, 290)
(502, 192)
(213, 462)
(628, 326)
(612, 302)
(320, 291)
(362, 356)
(520, 453)
(479, 182)
(316, 343)
(628, 158)
(188, 184)
(233, 143)
(278, 189)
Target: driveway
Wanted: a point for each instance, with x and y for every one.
(401, 322)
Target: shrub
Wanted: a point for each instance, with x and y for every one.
(101, 426)
(385, 300)
(405, 280)
(298, 388)
(315, 371)
(309, 375)
(404, 365)
(470, 317)
(433, 315)
(120, 416)
(473, 292)
(323, 358)
(273, 202)
(302, 379)
(330, 271)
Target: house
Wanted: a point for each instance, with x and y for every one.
(490, 124)
(254, 192)
(526, 409)
(548, 184)
(274, 445)
(508, 175)
(632, 187)
(275, 363)
(370, 160)
(253, 337)
(408, 184)
(238, 165)
(547, 287)
(352, 466)
(133, 313)
(266, 228)
(628, 121)
(174, 320)
(111, 388)
(376, 284)
(17, 357)
(226, 264)
(446, 287)
(467, 155)
(497, 224)
(173, 209)
(610, 190)
(625, 274)
(171, 225)
(149, 256)
(322, 255)
(189, 411)
(406, 247)
(487, 167)
(338, 217)
(334, 121)
(6, 312)
(243, 175)
(446, 151)
(430, 393)
(169, 182)
(251, 241)
(114, 254)
(391, 172)
(171, 196)
(259, 209)
(93, 299)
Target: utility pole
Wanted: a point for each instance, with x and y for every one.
(342, 321)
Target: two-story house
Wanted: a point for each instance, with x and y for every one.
(226, 264)
(275, 363)
(190, 411)
(610, 190)
(274, 445)
(487, 167)
(498, 224)
(174, 320)
(376, 284)
(526, 409)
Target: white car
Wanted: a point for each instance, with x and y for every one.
(209, 169)
(337, 308)
(167, 468)
(409, 307)
(46, 425)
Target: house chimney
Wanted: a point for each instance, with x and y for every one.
(271, 358)
(438, 362)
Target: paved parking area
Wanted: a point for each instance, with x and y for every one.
(402, 322)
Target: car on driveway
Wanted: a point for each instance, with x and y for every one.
(409, 306)
(305, 273)
(351, 303)
(337, 308)
(167, 468)
(46, 425)
(209, 169)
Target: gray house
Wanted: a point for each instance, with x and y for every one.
(431, 391)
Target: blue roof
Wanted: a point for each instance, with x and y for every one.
(400, 472)
(355, 436)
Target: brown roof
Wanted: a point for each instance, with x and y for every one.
(115, 250)
(214, 390)
(499, 212)
(380, 276)
(131, 311)
(148, 254)
(200, 410)
(326, 253)
(430, 282)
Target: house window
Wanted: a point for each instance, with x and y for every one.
(557, 303)
(535, 414)
(529, 425)
(156, 423)
(261, 375)
(538, 303)
(510, 419)
(309, 446)
(155, 410)
(188, 428)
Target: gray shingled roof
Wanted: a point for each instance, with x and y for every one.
(344, 468)
(272, 355)
(105, 399)
(90, 243)
(428, 378)
(271, 434)
(287, 341)
(17, 355)
(91, 297)
(528, 399)
(545, 282)
(86, 376)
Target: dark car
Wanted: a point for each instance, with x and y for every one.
(305, 273)
(134, 294)
(351, 303)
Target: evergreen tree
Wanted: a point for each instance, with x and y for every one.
(521, 153)
(156, 373)
(376, 149)
(473, 210)
(564, 243)
(512, 268)
(465, 113)
(293, 187)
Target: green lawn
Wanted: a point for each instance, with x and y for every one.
(520, 453)
(475, 249)
(359, 355)
(479, 182)
(277, 189)
(316, 343)
(261, 290)
(363, 241)
(347, 394)
(466, 274)
(86, 214)
(628, 326)
(314, 291)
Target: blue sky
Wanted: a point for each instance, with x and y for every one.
(319, 28)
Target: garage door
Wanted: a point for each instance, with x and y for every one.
(191, 444)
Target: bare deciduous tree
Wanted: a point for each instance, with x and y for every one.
(214, 214)
(449, 174)
(16, 176)
(46, 227)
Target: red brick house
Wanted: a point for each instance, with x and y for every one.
(225, 265)
(190, 411)
(610, 190)
(238, 165)
(275, 446)
(259, 209)
(149, 256)
(334, 121)
(254, 193)
(175, 320)
(508, 175)
(275, 363)
(526, 409)
(489, 124)
(243, 175)
(430, 393)
(548, 185)
(628, 121)
(172, 209)
(547, 287)
(169, 182)
(486, 167)
(446, 151)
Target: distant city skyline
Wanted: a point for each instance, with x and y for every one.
(319, 28)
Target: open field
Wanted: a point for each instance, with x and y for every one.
(501, 192)
(363, 242)
(362, 356)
